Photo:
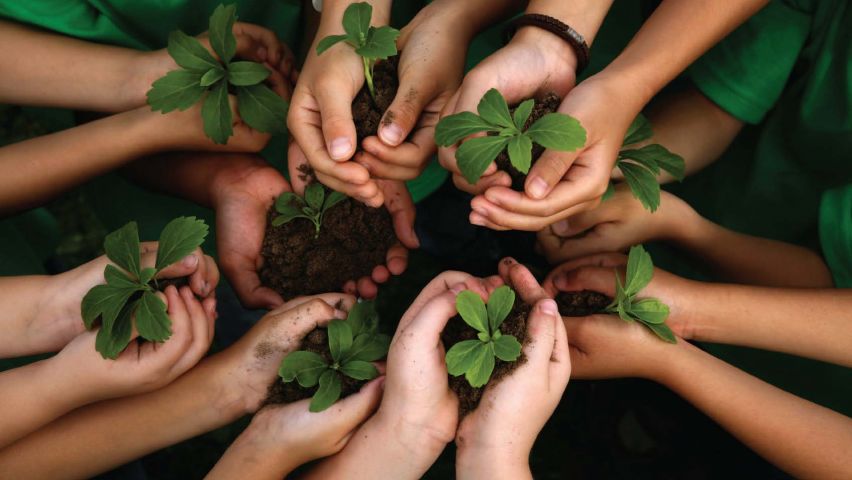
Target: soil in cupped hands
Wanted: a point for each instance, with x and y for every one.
(547, 104)
(581, 304)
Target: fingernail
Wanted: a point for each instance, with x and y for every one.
(561, 228)
(457, 288)
(548, 307)
(509, 261)
(189, 261)
(538, 188)
(391, 134)
(340, 148)
(476, 219)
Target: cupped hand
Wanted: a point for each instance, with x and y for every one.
(614, 226)
(534, 63)
(243, 196)
(597, 273)
(143, 367)
(499, 434)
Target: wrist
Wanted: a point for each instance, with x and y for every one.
(420, 444)
(559, 53)
(492, 463)
(141, 70)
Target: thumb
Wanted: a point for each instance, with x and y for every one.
(546, 172)
(338, 127)
(351, 411)
(403, 113)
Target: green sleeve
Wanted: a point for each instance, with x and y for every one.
(745, 73)
(835, 232)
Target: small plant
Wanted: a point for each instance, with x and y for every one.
(648, 311)
(312, 207)
(555, 131)
(353, 344)
(475, 358)
(371, 43)
(129, 291)
(641, 166)
(201, 73)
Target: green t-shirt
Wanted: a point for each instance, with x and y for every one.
(835, 233)
(788, 67)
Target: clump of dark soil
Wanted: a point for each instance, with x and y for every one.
(548, 104)
(317, 342)
(581, 304)
(366, 112)
(457, 330)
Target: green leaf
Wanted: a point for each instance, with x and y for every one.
(303, 366)
(461, 356)
(104, 301)
(642, 158)
(640, 270)
(177, 90)
(522, 113)
(262, 109)
(329, 42)
(472, 310)
(380, 44)
(483, 364)
(222, 31)
(122, 248)
(328, 391)
(179, 238)
(476, 154)
(147, 275)
(245, 74)
(152, 322)
(610, 191)
(663, 331)
(558, 131)
(362, 318)
(368, 347)
(453, 128)
(332, 199)
(287, 201)
(639, 130)
(189, 53)
(339, 339)
(643, 184)
(314, 195)
(212, 76)
(660, 157)
(216, 114)
(520, 152)
(356, 21)
(650, 310)
(493, 109)
(287, 217)
(507, 348)
(500, 303)
(113, 339)
(359, 370)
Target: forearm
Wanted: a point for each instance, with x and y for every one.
(492, 465)
(20, 297)
(812, 323)
(800, 437)
(35, 170)
(471, 17)
(677, 33)
(44, 69)
(86, 442)
(584, 16)
(247, 459)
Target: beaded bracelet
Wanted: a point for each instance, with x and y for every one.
(558, 28)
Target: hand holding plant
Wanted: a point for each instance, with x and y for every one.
(495, 439)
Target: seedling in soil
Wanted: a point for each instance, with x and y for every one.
(312, 207)
(371, 43)
(648, 311)
(130, 290)
(641, 166)
(555, 131)
(475, 358)
(353, 343)
(203, 76)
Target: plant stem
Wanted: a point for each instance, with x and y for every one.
(368, 74)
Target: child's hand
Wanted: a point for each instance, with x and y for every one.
(494, 441)
(282, 437)
(597, 273)
(142, 367)
(614, 226)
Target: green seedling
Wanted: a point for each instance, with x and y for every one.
(475, 358)
(371, 43)
(129, 291)
(203, 76)
(354, 343)
(648, 311)
(641, 166)
(506, 131)
(312, 207)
